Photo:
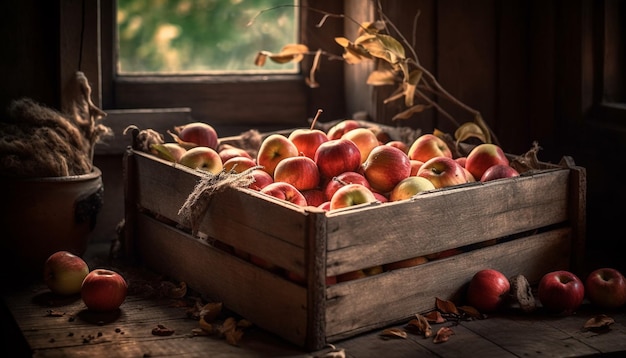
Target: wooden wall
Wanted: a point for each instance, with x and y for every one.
(526, 65)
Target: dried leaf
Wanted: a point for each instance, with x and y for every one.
(406, 114)
(244, 323)
(200, 332)
(54, 313)
(420, 323)
(393, 333)
(333, 353)
(210, 311)
(443, 334)
(381, 78)
(434, 317)
(599, 323)
(469, 130)
(230, 324)
(207, 327)
(234, 336)
(161, 330)
(446, 306)
(170, 290)
(470, 312)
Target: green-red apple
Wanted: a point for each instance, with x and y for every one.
(273, 149)
(385, 167)
(336, 131)
(443, 172)
(498, 171)
(399, 144)
(409, 187)
(203, 158)
(428, 146)
(343, 179)
(483, 156)
(239, 164)
(299, 171)
(261, 179)
(197, 133)
(285, 191)
(337, 156)
(227, 151)
(350, 195)
(64, 272)
(307, 140)
(364, 139)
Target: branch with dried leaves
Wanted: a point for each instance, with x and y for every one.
(397, 65)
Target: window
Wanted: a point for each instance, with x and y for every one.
(202, 37)
(232, 102)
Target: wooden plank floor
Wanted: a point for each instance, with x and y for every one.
(52, 327)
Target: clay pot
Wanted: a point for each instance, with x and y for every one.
(40, 216)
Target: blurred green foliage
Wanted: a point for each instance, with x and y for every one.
(199, 36)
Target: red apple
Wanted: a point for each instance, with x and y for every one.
(171, 152)
(483, 156)
(337, 156)
(443, 172)
(409, 187)
(239, 164)
(103, 290)
(428, 146)
(414, 261)
(498, 171)
(461, 160)
(487, 290)
(385, 167)
(285, 191)
(261, 179)
(314, 197)
(352, 275)
(307, 140)
(415, 166)
(324, 206)
(470, 178)
(380, 197)
(229, 151)
(343, 179)
(273, 149)
(351, 194)
(606, 288)
(561, 292)
(64, 272)
(364, 139)
(299, 171)
(399, 144)
(203, 158)
(336, 131)
(196, 134)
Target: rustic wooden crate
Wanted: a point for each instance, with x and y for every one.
(538, 219)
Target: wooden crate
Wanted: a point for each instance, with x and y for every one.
(538, 220)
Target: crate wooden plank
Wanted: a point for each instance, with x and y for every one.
(399, 294)
(267, 300)
(445, 219)
(163, 187)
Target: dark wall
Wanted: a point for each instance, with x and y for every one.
(29, 59)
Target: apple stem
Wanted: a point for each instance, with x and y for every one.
(340, 181)
(319, 111)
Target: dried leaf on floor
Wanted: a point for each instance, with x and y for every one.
(233, 336)
(421, 325)
(55, 313)
(334, 352)
(210, 311)
(443, 334)
(434, 317)
(598, 323)
(161, 330)
(393, 333)
(471, 312)
(446, 306)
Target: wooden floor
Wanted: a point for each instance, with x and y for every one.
(47, 326)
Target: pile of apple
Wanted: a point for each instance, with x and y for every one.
(102, 290)
(347, 165)
(559, 292)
